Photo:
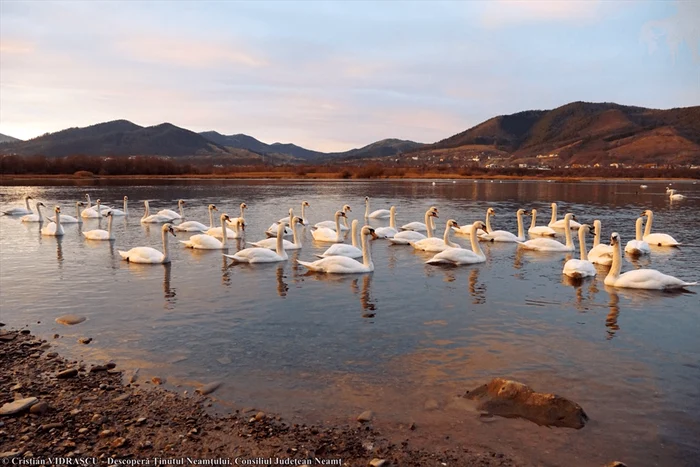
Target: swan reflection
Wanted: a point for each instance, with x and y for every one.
(168, 292)
(476, 290)
(613, 314)
(282, 286)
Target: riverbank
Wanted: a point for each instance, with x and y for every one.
(89, 410)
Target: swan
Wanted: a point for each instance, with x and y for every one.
(149, 218)
(331, 224)
(460, 256)
(643, 187)
(341, 249)
(66, 219)
(600, 253)
(172, 215)
(466, 230)
(343, 264)
(194, 226)
(639, 278)
(304, 205)
(271, 243)
(378, 214)
(559, 224)
(119, 212)
(101, 206)
(549, 244)
(324, 234)
(407, 236)
(237, 232)
(92, 212)
(580, 268)
(438, 244)
(388, 232)
(673, 196)
(272, 230)
(505, 236)
(54, 229)
(638, 247)
(234, 220)
(421, 226)
(20, 211)
(34, 217)
(541, 230)
(148, 255)
(207, 242)
(99, 234)
(659, 239)
(263, 255)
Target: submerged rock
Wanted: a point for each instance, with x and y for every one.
(69, 320)
(512, 399)
(209, 388)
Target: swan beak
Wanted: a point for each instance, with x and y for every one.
(592, 232)
(301, 222)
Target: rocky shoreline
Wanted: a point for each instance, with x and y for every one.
(93, 414)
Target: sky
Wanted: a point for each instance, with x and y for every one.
(332, 76)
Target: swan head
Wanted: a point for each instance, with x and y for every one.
(433, 214)
(392, 210)
(339, 214)
(109, 214)
(367, 230)
(26, 197)
(244, 206)
(554, 205)
(41, 204)
(145, 203)
(305, 203)
(596, 225)
(291, 211)
(491, 212)
(366, 199)
(587, 229)
(452, 223)
(126, 198)
(169, 228)
(479, 225)
(433, 208)
(520, 212)
(298, 220)
(212, 207)
(241, 224)
(645, 213)
(80, 203)
(180, 202)
(614, 238)
(57, 209)
(533, 212)
(346, 208)
(569, 217)
(224, 217)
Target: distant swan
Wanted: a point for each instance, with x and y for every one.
(272, 230)
(119, 212)
(388, 232)
(331, 224)
(234, 220)
(658, 239)
(263, 255)
(378, 214)
(421, 226)
(148, 255)
(638, 247)
(438, 244)
(54, 229)
(208, 242)
(149, 218)
(66, 219)
(34, 217)
(673, 196)
(580, 268)
(407, 236)
(271, 243)
(341, 249)
(559, 224)
(505, 236)
(304, 205)
(194, 226)
(639, 278)
(541, 230)
(20, 211)
(461, 256)
(549, 244)
(99, 234)
(600, 253)
(324, 234)
(92, 212)
(172, 215)
(102, 207)
(467, 229)
(237, 232)
(343, 264)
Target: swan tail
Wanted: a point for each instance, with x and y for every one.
(317, 256)
(308, 265)
(232, 257)
(396, 241)
(438, 261)
(187, 243)
(124, 254)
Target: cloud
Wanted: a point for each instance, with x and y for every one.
(501, 13)
(683, 27)
(16, 47)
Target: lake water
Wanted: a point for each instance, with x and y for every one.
(322, 348)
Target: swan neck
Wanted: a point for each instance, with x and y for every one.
(295, 236)
(59, 227)
(521, 233)
(554, 213)
(26, 203)
(280, 234)
(146, 212)
(650, 219)
(582, 243)
(243, 212)
(534, 219)
(99, 212)
(367, 208)
(567, 226)
(446, 237)
(77, 213)
(638, 229)
(392, 219)
(428, 224)
(109, 226)
(224, 233)
(598, 233)
(211, 218)
(337, 228)
(166, 255)
(488, 222)
(38, 211)
(616, 266)
(182, 212)
(366, 253)
(476, 248)
(126, 211)
(353, 233)
(303, 213)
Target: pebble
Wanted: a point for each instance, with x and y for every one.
(82, 430)
(56, 336)
(123, 397)
(7, 336)
(85, 340)
(259, 416)
(52, 355)
(209, 388)
(119, 442)
(17, 387)
(379, 462)
(97, 418)
(39, 408)
(50, 426)
(157, 380)
(75, 412)
(224, 360)
(25, 331)
(110, 365)
(365, 416)
(17, 406)
(8, 454)
(105, 433)
(70, 320)
(67, 373)
(140, 420)
(97, 368)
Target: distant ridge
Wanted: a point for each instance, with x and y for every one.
(8, 139)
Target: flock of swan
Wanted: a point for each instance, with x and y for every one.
(341, 258)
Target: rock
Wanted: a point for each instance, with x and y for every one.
(105, 433)
(17, 387)
(82, 430)
(52, 355)
(67, 373)
(75, 412)
(209, 388)
(616, 464)
(6, 337)
(50, 426)
(365, 416)
(379, 463)
(412, 426)
(25, 331)
(97, 419)
(431, 404)
(97, 368)
(17, 406)
(142, 420)
(119, 442)
(9, 454)
(122, 398)
(110, 365)
(260, 415)
(512, 399)
(157, 380)
(134, 376)
(224, 360)
(39, 408)
(2, 325)
(56, 336)
(70, 320)
(85, 340)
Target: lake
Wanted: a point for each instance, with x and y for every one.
(404, 341)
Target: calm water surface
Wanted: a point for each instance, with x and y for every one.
(323, 348)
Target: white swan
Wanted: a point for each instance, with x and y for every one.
(421, 226)
(92, 212)
(460, 256)
(237, 232)
(272, 230)
(149, 218)
(549, 244)
(658, 239)
(639, 278)
(37, 217)
(271, 243)
(148, 255)
(407, 236)
(673, 196)
(601, 253)
(378, 214)
(207, 242)
(539, 230)
(638, 247)
(194, 226)
(438, 244)
(20, 211)
(559, 224)
(66, 219)
(343, 264)
(341, 249)
(99, 234)
(263, 255)
(102, 207)
(331, 224)
(172, 215)
(505, 236)
(119, 212)
(580, 268)
(324, 234)
(54, 229)
(304, 205)
(388, 232)
(467, 229)
(234, 220)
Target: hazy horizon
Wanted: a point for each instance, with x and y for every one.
(332, 76)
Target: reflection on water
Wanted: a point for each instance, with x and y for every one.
(311, 344)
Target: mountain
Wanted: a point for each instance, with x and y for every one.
(383, 148)
(242, 141)
(584, 133)
(8, 139)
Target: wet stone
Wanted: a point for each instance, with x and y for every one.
(85, 340)
(39, 408)
(365, 416)
(209, 388)
(67, 373)
(70, 320)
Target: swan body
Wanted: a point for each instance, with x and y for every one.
(34, 217)
(18, 211)
(505, 236)
(149, 218)
(98, 206)
(92, 212)
(466, 230)
(580, 268)
(263, 255)
(407, 236)
(207, 242)
(304, 205)
(343, 264)
(99, 234)
(433, 244)
(233, 220)
(560, 224)
(325, 234)
(54, 229)
(341, 249)
(378, 214)
(272, 230)
(600, 253)
(421, 226)
(148, 255)
(649, 279)
(237, 232)
(119, 212)
(271, 243)
(638, 247)
(172, 215)
(194, 226)
(541, 230)
(461, 256)
(331, 224)
(549, 244)
(388, 232)
(65, 219)
(673, 196)
(658, 239)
